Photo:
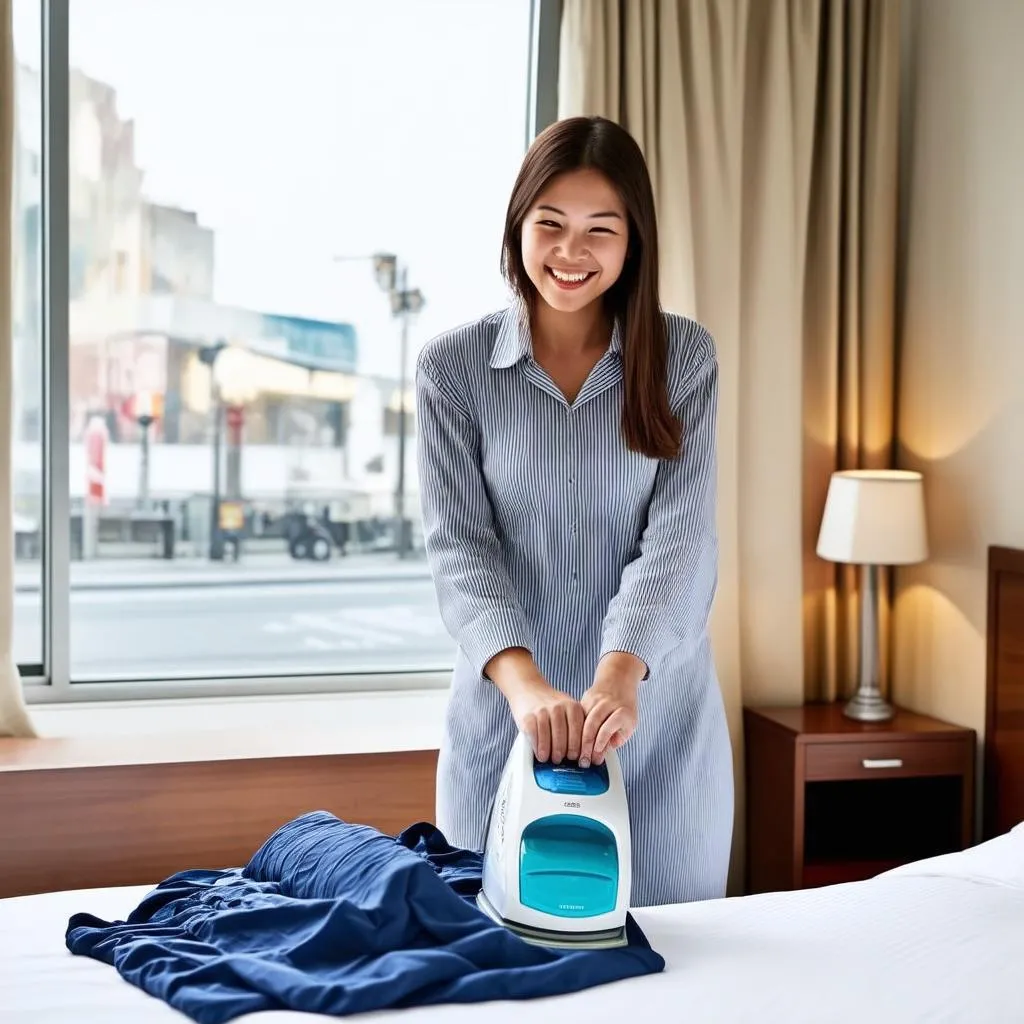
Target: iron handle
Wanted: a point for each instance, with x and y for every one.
(882, 762)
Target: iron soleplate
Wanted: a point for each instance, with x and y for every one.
(611, 938)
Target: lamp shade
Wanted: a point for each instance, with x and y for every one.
(874, 517)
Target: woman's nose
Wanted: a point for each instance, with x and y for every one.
(573, 248)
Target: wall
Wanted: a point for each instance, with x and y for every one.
(961, 416)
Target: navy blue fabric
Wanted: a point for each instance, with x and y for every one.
(337, 918)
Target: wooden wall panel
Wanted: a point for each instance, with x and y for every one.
(130, 823)
(1004, 705)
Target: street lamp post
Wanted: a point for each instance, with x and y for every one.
(405, 303)
(403, 531)
(145, 421)
(208, 356)
(147, 408)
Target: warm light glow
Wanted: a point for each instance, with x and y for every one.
(939, 659)
(333, 387)
(195, 386)
(242, 376)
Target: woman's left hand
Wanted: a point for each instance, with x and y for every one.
(610, 706)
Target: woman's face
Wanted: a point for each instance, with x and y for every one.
(575, 238)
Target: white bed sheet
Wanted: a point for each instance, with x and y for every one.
(938, 941)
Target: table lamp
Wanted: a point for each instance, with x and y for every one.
(872, 518)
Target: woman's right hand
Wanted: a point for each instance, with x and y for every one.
(552, 720)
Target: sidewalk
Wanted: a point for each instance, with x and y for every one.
(253, 570)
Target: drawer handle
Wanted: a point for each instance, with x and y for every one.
(882, 762)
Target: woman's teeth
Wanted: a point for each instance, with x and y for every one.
(570, 280)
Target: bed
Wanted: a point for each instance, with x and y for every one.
(939, 939)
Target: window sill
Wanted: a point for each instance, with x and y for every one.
(292, 726)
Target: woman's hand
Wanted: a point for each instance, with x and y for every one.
(611, 706)
(552, 720)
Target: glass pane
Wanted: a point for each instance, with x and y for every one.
(27, 337)
(231, 179)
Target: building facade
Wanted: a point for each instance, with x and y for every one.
(295, 418)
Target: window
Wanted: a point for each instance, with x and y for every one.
(26, 323)
(267, 217)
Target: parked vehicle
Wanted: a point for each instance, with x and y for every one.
(308, 538)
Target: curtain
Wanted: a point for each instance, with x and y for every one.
(850, 335)
(14, 720)
(770, 129)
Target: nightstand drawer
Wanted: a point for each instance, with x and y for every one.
(884, 759)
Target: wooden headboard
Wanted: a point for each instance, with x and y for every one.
(1004, 704)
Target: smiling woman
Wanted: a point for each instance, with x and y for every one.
(583, 204)
(574, 245)
(571, 542)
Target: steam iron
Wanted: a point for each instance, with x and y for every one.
(557, 859)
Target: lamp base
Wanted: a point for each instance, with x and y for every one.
(868, 706)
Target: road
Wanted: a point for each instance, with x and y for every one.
(245, 629)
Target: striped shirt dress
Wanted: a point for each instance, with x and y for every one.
(544, 531)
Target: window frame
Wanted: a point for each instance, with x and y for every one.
(51, 682)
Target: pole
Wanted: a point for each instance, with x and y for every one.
(216, 548)
(144, 421)
(402, 534)
(208, 356)
(233, 454)
(96, 438)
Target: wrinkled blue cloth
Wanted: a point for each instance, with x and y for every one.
(335, 918)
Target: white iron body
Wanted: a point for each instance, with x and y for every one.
(557, 860)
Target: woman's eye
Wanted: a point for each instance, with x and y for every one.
(547, 223)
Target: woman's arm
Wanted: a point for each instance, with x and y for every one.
(474, 591)
(665, 595)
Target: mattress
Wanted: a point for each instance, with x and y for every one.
(938, 940)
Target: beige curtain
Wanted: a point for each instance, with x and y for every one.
(770, 130)
(14, 720)
(849, 331)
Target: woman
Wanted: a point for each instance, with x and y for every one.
(567, 473)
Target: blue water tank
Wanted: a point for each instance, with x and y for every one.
(568, 866)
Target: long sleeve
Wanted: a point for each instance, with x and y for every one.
(475, 595)
(666, 592)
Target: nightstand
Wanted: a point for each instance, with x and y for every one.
(833, 800)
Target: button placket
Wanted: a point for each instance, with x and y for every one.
(574, 497)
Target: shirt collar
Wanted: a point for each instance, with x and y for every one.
(513, 341)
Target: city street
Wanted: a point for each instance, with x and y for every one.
(316, 625)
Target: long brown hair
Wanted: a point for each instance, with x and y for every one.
(648, 425)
